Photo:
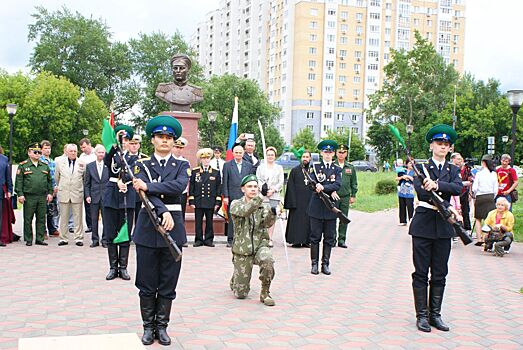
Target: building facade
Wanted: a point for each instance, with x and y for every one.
(319, 60)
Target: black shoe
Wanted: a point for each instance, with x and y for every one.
(124, 274)
(111, 275)
(296, 246)
(209, 244)
(314, 268)
(422, 312)
(306, 245)
(88, 230)
(229, 245)
(478, 244)
(197, 244)
(148, 311)
(16, 238)
(104, 244)
(2, 244)
(435, 301)
(40, 243)
(112, 252)
(325, 269)
(71, 230)
(163, 314)
(123, 258)
(185, 245)
(28, 244)
(63, 243)
(342, 245)
(94, 245)
(80, 244)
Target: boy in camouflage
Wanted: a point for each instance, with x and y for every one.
(251, 219)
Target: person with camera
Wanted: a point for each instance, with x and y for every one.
(507, 180)
(500, 220)
(270, 181)
(485, 189)
(249, 146)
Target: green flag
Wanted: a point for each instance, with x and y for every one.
(123, 234)
(108, 136)
(397, 134)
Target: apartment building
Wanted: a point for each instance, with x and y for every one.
(319, 60)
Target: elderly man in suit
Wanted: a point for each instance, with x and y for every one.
(233, 172)
(69, 176)
(96, 177)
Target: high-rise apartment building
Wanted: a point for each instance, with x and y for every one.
(319, 60)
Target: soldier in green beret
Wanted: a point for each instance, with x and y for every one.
(34, 188)
(252, 217)
(346, 195)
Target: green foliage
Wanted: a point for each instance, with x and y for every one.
(219, 95)
(386, 186)
(48, 108)
(79, 48)
(151, 58)
(304, 138)
(382, 140)
(357, 151)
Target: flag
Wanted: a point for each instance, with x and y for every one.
(233, 132)
(123, 234)
(108, 136)
(111, 119)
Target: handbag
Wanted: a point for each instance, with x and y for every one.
(514, 196)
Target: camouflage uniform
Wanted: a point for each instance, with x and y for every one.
(251, 246)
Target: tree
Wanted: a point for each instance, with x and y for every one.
(219, 93)
(304, 138)
(381, 139)
(417, 84)
(357, 151)
(80, 49)
(151, 58)
(50, 108)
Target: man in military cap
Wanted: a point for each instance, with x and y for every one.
(34, 187)
(217, 162)
(322, 219)
(431, 234)
(163, 178)
(205, 190)
(347, 193)
(119, 201)
(132, 155)
(179, 146)
(252, 217)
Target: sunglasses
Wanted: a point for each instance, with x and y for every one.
(342, 151)
(37, 152)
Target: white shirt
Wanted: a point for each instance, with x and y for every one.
(485, 182)
(438, 163)
(100, 168)
(158, 158)
(88, 158)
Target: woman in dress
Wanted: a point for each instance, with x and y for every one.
(270, 180)
(485, 189)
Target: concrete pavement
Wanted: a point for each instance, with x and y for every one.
(366, 302)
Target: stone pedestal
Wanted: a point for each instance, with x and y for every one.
(189, 121)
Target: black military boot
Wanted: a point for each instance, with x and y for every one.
(315, 254)
(148, 311)
(435, 300)
(422, 313)
(123, 257)
(112, 251)
(325, 259)
(163, 315)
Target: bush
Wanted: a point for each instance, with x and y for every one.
(386, 187)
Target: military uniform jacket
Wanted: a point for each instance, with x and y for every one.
(205, 188)
(164, 187)
(330, 178)
(112, 197)
(349, 181)
(251, 220)
(428, 223)
(131, 160)
(31, 179)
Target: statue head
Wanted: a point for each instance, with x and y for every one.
(180, 64)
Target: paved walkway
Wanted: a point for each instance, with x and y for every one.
(366, 302)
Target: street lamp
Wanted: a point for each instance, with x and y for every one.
(11, 111)
(515, 99)
(212, 116)
(504, 138)
(85, 132)
(410, 129)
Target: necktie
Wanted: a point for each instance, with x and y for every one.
(162, 163)
(100, 170)
(71, 165)
(439, 167)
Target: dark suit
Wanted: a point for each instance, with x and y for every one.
(156, 270)
(5, 179)
(231, 187)
(205, 189)
(430, 233)
(94, 187)
(131, 160)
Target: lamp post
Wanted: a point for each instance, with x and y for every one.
(85, 132)
(211, 115)
(410, 129)
(504, 138)
(515, 99)
(11, 111)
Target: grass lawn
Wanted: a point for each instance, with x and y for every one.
(367, 200)
(517, 210)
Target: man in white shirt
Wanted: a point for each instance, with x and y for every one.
(217, 162)
(88, 156)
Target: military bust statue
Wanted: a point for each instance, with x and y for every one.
(178, 94)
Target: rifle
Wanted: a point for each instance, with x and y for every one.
(153, 216)
(326, 199)
(438, 202)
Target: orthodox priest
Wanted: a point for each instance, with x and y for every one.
(297, 198)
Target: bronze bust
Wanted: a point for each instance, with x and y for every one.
(178, 94)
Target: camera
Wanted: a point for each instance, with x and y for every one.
(470, 162)
(249, 136)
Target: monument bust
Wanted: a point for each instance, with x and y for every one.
(178, 94)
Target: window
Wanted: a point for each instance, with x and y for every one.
(457, 25)
(343, 53)
(331, 12)
(310, 127)
(326, 128)
(341, 92)
(359, 30)
(354, 118)
(388, 19)
(355, 130)
(344, 27)
(331, 50)
(310, 115)
(340, 104)
(310, 90)
(312, 50)
(339, 117)
(358, 41)
(416, 22)
(331, 38)
(342, 78)
(356, 80)
(374, 28)
(357, 67)
(374, 15)
(343, 65)
(340, 129)
(329, 63)
(312, 76)
(429, 23)
(331, 24)
(373, 54)
(455, 49)
(344, 15)
(371, 79)
(313, 37)
(429, 35)
(357, 54)
(312, 63)
(329, 76)
(355, 92)
(328, 88)
(359, 17)
(313, 25)
(327, 115)
(374, 42)
(314, 12)
(344, 40)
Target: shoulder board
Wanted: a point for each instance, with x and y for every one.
(197, 168)
(143, 159)
(25, 161)
(339, 166)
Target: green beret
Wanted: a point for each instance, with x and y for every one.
(248, 178)
(35, 146)
(441, 132)
(328, 146)
(164, 125)
(129, 133)
(343, 147)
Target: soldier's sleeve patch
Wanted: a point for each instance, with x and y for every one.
(189, 171)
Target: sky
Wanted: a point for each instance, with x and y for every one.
(493, 48)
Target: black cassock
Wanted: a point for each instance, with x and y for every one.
(297, 198)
